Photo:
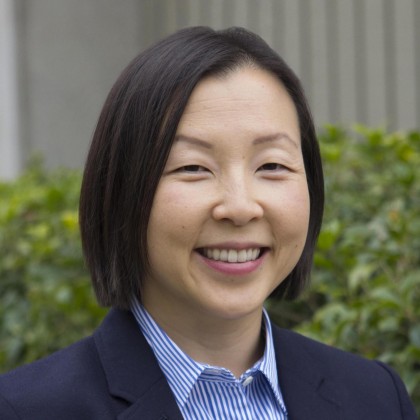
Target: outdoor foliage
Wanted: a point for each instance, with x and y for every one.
(365, 293)
(45, 296)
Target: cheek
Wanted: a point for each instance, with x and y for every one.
(175, 215)
(301, 208)
(293, 214)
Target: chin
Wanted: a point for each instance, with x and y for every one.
(231, 311)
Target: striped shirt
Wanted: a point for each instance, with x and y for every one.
(209, 392)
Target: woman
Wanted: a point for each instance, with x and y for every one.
(202, 196)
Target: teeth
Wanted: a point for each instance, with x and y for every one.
(232, 255)
(242, 254)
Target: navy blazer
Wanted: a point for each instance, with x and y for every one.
(114, 375)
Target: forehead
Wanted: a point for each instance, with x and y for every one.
(246, 99)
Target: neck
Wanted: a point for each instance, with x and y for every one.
(235, 344)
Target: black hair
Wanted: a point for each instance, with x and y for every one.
(132, 140)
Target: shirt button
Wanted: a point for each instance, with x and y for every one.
(247, 381)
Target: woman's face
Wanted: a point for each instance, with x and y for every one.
(230, 215)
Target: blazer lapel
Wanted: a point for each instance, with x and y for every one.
(307, 393)
(157, 403)
(132, 371)
(133, 374)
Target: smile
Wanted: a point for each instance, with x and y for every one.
(231, 255)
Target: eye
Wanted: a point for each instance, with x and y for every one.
(271, 166)
(193, 169)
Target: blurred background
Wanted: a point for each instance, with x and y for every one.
(358, 61)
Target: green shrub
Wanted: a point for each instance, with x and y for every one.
(365, 294)
(45, 296)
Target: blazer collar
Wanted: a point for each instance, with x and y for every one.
(307, 392)
(132, 371)
(134, 375)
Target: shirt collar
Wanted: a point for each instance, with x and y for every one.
(182, 372)
(268, 363)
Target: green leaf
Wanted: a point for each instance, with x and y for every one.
(415, 336)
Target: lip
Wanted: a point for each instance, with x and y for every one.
(235, 245)
(236, 269)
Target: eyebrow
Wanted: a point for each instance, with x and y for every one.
(275, 137)
(259, 140)
(194, 140)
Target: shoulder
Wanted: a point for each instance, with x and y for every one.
(353, 379)
(65, 382)
(324, 357)
(323, 354)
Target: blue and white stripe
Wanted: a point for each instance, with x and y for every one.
(209, 392)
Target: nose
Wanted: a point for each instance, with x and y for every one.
(238, 203)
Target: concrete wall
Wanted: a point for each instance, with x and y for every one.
(10, 147)
(358, 61)
(71, 53)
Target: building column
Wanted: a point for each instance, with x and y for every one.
(10, 145)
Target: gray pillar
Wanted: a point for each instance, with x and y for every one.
(10, 150)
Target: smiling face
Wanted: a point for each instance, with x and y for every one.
(230, 215)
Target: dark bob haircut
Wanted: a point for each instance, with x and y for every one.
(132, 140)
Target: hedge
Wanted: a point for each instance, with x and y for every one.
(365, 292)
